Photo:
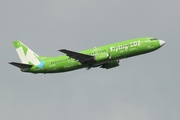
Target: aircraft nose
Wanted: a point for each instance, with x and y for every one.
(161, 42)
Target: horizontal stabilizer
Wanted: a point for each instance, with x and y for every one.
(21, 65)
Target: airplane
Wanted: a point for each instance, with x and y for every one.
(106, 57)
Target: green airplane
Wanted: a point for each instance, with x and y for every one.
(104, 57)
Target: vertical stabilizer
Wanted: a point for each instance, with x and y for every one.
(26, 55)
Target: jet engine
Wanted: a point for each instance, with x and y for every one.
(111, 64)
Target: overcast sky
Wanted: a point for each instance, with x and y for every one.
(145, 87)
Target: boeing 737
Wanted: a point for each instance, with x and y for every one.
(107, 57)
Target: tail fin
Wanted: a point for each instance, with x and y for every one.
(26, 55)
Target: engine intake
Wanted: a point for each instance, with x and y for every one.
(111, 64)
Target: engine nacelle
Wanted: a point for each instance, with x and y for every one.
(102, 57)
(111, 64)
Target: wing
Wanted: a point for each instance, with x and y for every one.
(82, 58)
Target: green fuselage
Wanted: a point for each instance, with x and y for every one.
(115, 51)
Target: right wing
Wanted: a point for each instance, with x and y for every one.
(82, 58)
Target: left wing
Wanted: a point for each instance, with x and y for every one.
(82, 58)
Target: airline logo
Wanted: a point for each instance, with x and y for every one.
(125, 47)
(27, 56)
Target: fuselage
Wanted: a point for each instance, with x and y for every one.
(116, 51)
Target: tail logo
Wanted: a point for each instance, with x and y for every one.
(26, 55)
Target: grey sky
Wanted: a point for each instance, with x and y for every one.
(145, 87)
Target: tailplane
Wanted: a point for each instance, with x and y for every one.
(21, 65)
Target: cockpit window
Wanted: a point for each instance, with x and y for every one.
(154, 39)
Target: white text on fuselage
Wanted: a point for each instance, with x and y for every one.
(125, 47)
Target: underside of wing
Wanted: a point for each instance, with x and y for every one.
(82, 58)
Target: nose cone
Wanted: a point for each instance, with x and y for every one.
(161, 42)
